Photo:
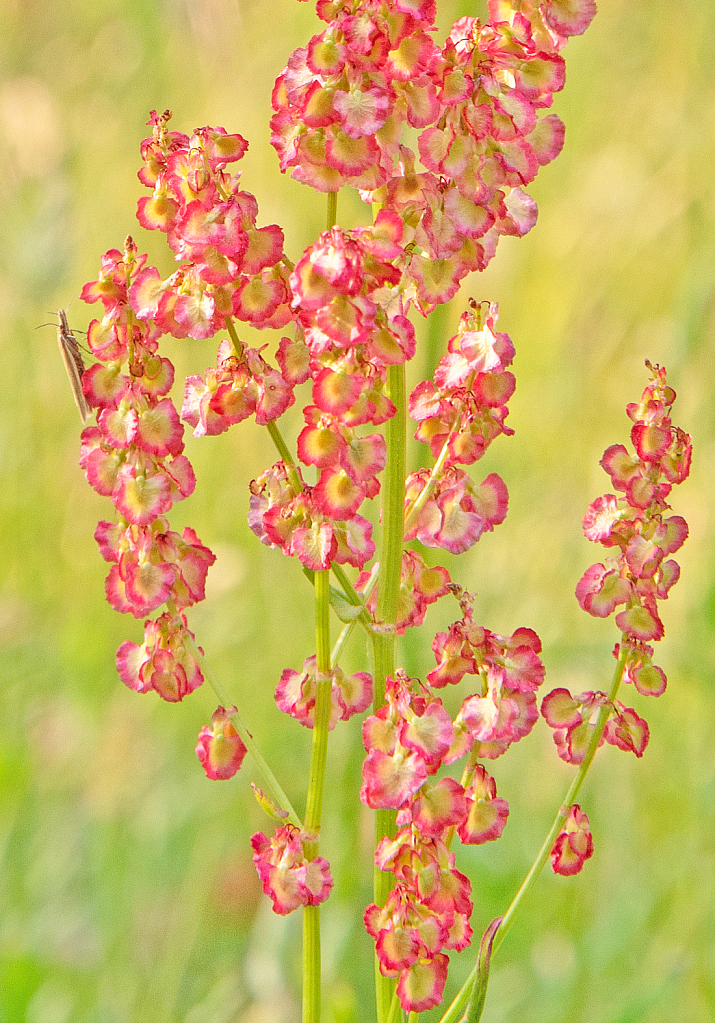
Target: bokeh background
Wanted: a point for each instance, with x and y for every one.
(127, 892)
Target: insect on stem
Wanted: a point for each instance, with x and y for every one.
(72, 358)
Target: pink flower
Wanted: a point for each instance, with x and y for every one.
(163, 662)
(420, 586)
(287, 876)
(574, 844)
(296, 692)
(390, 779)
(486, 814)
(573, 720)
(220, 748)
(458, 512)
(602, 588)
(627, 731)
(426, 912)
(600, 518)
(420, 986)
(438, 807)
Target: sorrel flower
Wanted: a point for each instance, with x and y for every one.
(298, 519)
(296, 692)
(163, 662)
(420, 586)
(134, 455)
(231, 266)
(220, 748)
(642, 534)
(574, 844)
(288, 877)
(465, 406)
(242, 385)
(509, 670)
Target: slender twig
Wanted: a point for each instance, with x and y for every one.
(269, 779)
(316, 785)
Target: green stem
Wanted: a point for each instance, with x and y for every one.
(393, 513)
(280, 444)
(285, 454)
(319, 754)
(314, 804)
(453, 1012)
(332, 209)
(316, 785)
(348, 628)
(269, 779)
(235, 340)
(396, 1014)
(385, 633)
(418, 504)
(311, 964)
(353, 596)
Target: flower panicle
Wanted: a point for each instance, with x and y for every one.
(407, 741)
(640, 535)
(134, 455)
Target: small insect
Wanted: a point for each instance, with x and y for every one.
(72, 358)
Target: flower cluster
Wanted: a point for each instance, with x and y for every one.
(420, 586)
(134, 456)
(164, 662)
(457, 511)
(460, 412)
(354, 327)
(465, 404)
(510, 671)
(241, 385)
(642, 535)
(296, 692)
(487, 140)
(230, 266)
(573, 719)
(288, 877)
(342, 101)
(427, 912)
(285, 513)
(350, 327)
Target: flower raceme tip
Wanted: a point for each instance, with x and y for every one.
(641, 535)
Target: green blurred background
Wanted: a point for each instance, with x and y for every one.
(127, 892)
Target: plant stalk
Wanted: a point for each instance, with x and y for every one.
(269, 779)
(384, 635)
(316, 786)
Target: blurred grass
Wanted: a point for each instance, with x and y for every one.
(127, 892)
